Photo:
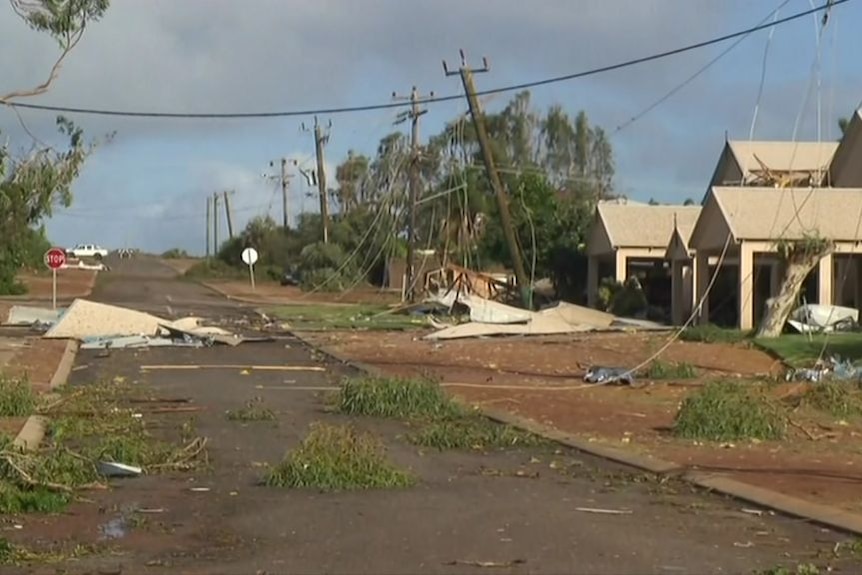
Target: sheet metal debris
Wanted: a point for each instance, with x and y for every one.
(107, 327)
(112, 469)
(35, 317)
(490, 318)
(815, 318)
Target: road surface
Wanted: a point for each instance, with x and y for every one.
(468, 510)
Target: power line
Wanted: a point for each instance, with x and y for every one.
(430, 100)
(668, 95)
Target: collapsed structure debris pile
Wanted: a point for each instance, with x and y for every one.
(834, 368)
(491, 318)
(103, 326)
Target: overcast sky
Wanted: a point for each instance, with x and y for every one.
(147, 188)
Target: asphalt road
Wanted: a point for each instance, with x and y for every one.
(467, 508)
(146, 284)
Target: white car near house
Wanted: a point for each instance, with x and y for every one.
(88, 251)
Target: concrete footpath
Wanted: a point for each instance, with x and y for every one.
(822, 514)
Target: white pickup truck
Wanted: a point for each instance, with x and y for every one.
(87, 251)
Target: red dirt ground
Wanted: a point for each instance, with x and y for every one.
(71, 283)
(275, 294)
(37, 362)
(10, 426)
(540, 378)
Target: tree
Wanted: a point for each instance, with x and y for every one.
(688, 202)
(352, 176)
(842, 125)
(33, 184)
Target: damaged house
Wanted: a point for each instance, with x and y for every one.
(763, 193)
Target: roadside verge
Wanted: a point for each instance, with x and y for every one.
(822, 514)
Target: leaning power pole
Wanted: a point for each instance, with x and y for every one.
(284, 194)
(209, 219)
(215, 223)
(466, 74)
(320, 140)
(413, 115)
(226, 195)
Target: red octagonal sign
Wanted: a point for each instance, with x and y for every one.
(55, 258)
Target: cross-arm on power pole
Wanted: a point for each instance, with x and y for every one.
(413, 115)
(466, 74)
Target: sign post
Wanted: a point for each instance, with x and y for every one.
(55, 258)
(249, 256)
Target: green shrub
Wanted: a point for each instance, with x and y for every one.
(729, 411)
(17, 398)
(841, 399)
(337, 458)
(473, 432)
(175, 254)
(396, 398)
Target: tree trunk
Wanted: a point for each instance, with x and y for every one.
(797, 267)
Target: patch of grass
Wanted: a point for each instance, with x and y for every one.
(253, 411)
(17, 398)
(841, 399)
(730, 411)
(14, 554)
(661, 370)
(396, 398)
(339, 317)
(337, 458)
(474, 432)
(15, 500)
(798, 350)
(710, 333)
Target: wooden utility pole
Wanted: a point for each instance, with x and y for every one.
(284, 221)
(227, 211)
(413, 115)
(215, 223)
(466, 74)
(209, 218)
(320, 141)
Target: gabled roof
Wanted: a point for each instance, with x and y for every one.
(769, 214)
(846, 167)
(638, 225)
(743, 160)
(678, 246)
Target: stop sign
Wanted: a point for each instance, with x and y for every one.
(55, 258)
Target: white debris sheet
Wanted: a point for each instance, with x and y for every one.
(815, 318)
(489, 318)
(20, 315)
(86, 319)
(100, 326)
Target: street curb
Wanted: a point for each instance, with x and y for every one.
(786, 504)
(65, 367)
(31, 433)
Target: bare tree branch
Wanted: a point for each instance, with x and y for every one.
(55, 71)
